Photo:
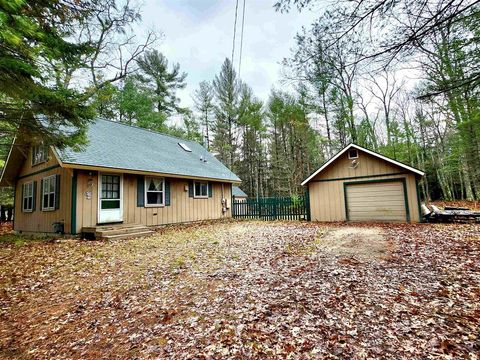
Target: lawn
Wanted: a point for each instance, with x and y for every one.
(246, 289)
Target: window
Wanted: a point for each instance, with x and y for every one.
(200, 189)
(184, 147)
(39, 154)
(110, 192)
(154, 191)
(48, 193)
(353, 154)
(27, 201)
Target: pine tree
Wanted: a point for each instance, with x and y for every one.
(32, 34)
(227, 92)
(154, 72)
(203, 98)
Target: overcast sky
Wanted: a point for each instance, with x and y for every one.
(198, 35)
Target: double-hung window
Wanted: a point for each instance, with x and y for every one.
(200, 189)
(39, 154)
(27, 201)
(154, 191)
(48, 193)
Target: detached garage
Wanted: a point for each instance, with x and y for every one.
(360, 185)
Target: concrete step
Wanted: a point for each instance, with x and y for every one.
(126, 235)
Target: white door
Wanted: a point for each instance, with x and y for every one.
(110, 198)
(379, 201)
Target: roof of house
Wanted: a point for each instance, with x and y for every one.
(346, 148)
(237, 192)
(112, 145)
(119, 146)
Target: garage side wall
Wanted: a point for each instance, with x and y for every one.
(327, 198)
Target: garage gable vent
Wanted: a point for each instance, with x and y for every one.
(353, 154)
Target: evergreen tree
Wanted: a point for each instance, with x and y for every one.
(203, 98)
(154, 72)
(227, 93)
(33, 34)
(252, 162)
(136, 106)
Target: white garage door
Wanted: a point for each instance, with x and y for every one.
(382, 201)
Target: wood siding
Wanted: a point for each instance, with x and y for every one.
(41, 221)
(327, 197)
(27, 167)
(182, 207)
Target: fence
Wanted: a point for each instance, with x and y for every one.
(275, 208)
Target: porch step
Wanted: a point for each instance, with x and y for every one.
(126, 235)
(117, 231)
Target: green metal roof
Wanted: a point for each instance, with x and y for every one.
(115, 145)
(236, 191)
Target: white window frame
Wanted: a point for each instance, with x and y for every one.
(46, 191)
(195, 190)
(352, 157)
(24, 196)
(146, 204)
(36, 150)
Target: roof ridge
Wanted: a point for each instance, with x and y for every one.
(364, 149)
(150, 131)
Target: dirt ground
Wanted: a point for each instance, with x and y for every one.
(246, 289)
(356, 242)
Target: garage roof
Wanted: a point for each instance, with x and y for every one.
(237, 192)
(355, 146)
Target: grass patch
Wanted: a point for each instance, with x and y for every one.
(21, 239)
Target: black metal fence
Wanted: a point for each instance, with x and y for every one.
(274, 208)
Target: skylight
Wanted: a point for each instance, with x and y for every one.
(184, 147)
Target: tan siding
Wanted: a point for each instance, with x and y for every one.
(86, 199)
(38, 220)
(327, 201)
(182, 208)
(27, 167)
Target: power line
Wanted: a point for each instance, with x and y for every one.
(241, 40)
(234, 31)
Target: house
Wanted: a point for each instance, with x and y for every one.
(123, 175)
(238, 194)
(361, 185)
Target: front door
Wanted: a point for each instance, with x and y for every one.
(110, 202)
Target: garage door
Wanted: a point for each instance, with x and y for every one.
(382, 201)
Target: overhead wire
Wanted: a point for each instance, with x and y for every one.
(241, 40)
(234, 31)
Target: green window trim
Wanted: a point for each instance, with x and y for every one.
(38, 172)
(73, 222)
(360, 177)
(419, 201)
(402, 180)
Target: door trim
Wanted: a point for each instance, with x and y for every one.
(402, 180)
(99, 200)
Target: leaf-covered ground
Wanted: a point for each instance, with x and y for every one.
(245, 289)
